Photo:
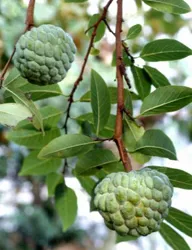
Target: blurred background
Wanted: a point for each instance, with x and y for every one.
(28, 219)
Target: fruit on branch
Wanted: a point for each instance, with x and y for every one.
(134, 203)
(44, 54)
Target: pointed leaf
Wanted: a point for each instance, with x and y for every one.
(19, 97)
(180, 220)
(170, 6)
(67, 146)
(174, 239)
(157, 78)
(166, 99)
(34, 166)
(91, 161)
(178, 177)
(66, 205)
(142, 81)
(12, 113)
(52, 181)
(100, 30)
(100, 101)
(165, 50)
(31, 138)
(155, 143)
(134, 31)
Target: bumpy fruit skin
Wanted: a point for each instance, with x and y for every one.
(44, 54)
(134, 203)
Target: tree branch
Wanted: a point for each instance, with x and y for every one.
(29, 24)
(80, 77)
(120, 105)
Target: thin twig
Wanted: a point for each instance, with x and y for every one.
(29, 24)
(120, 105)
(80, 77)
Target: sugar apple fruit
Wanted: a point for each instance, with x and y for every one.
(134, 203)
(44, 54)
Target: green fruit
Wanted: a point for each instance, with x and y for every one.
(44, 54)
(134, 203)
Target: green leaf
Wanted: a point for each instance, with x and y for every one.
(134, 31)
(12, 113)
(126, 59)
(88, 183)
(66, 205)
(166, 99)
(110, 126)
(178, 177)
(50, 116)
(170, 6)
(142, 81)
(174, 239)
(129, 103)
(106, 169)
(113, 95)
(180, 220)
(157, 78)
(100, 30)
(100, 101)
(155, 143)
(52, 181)
(125, 238)
(15, 81)
(67, 146)
(31, 138)
(19, 97)
(91, 161)
(132, 133)
(165, 50)
(34, 166)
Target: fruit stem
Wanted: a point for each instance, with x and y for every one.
(120, 98)
(29, 24)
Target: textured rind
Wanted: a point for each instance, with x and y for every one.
(134, 203)
(44, 54)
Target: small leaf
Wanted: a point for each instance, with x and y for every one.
(142, 81)
(170, 6)
(157, 78)
(134, 31)
(100, 30)
(66, 205)
(100, 101)
(155, 143)
(165, 50)
(180, 220)
(88, 183)
(126, 59)
(166, 99)
(106, 169)
(140, 158)
(31, 138)
(178, 177)
(34, 166)
(12, 113)
(132, 133)
(174, 239)
(92, 160)
(67, 146)
(52, 181)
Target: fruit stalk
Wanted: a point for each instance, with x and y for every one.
(29, 24)
(120, 104)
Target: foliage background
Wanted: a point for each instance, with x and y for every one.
(27, 218)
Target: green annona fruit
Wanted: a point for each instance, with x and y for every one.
(44, 54)
(134, 203)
